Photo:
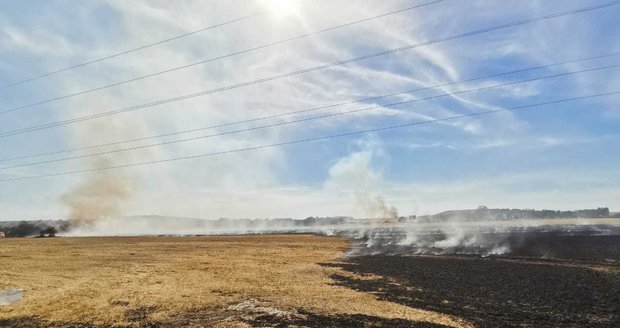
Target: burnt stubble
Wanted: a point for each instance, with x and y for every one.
(564, 287)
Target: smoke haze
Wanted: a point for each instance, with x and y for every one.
(101, 195)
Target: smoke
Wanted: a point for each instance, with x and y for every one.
(531, 238)
(572, 238)
(100, 195)
(356, 173)
(177, 226)
(439, 238)
(97, 206)
(375, 206)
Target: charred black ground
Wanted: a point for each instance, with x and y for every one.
(546, 278)
(200, 318)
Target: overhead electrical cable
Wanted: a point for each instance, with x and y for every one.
(298, 141)
(118, 54)
(46, 101)
(310, 118)
(303, 71)
(362, 100)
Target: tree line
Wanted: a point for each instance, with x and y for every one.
(29, 229)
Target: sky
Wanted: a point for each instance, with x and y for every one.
(558, 156)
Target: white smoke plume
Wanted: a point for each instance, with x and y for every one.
(375, 206)
(355, 174)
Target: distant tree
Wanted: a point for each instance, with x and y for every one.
(603, 212)
(23, 229)
(49, 231)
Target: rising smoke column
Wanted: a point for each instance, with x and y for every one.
(99, 195)
(355, 173)
(102, 193)
(375, 206)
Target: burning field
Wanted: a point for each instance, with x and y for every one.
(564, 275)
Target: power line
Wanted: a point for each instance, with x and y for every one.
(131, 50)
(303, 71)
(298, 141)
(309, 118)
(313, 108)
(46, 101)
(37, 77)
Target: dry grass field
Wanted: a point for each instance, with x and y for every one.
(189, 282)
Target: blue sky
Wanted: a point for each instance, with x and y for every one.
(561, 156)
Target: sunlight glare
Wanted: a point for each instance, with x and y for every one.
(282, 8)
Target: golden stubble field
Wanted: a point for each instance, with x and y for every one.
(100, 281)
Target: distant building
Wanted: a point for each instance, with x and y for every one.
(2, 234)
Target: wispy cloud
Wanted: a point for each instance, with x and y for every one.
(291, 181)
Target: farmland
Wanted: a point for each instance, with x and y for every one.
(234, 281)
(545, 278)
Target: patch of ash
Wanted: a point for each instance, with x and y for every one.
(252, 308)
